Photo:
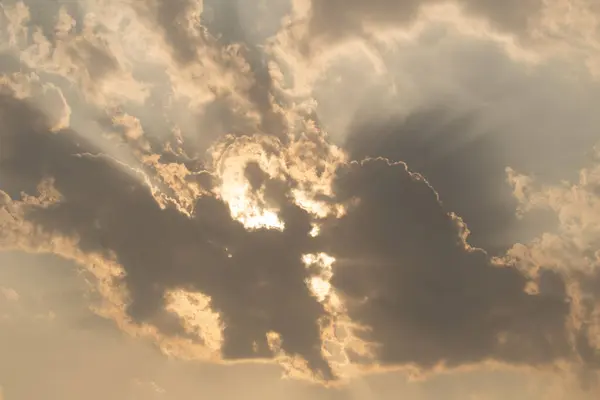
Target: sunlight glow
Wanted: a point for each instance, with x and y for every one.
(246, 204)
(247, 210)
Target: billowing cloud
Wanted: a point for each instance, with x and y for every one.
(423, 295)
(445, 102)
(185, 167)
(161, 248)
(569, 251)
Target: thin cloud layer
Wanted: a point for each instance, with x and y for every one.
(183, 165)
(334, 18)
(549, 27)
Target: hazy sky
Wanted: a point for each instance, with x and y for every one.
(299, 199)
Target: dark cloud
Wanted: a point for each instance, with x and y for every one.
(336, 19)
(423, 296)
(465, 163)
(461, 112)
(439, 144)
(261, 288)
(402, 265)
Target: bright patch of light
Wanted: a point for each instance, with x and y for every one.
(319, 283)
(247, 210)
(246, 205)
(319, 287)
(323, 259)
(315, 230)
(316, 208)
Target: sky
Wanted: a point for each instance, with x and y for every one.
(300, 199)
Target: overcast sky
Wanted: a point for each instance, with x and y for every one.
(303, 199)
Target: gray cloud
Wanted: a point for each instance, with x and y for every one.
(459, 110)
(182, 31)
(96, 363)
(439, 144)
(339, 19)
(404, 267)
(425, 297)
(239, 23)
(180, 21)
(569, 251)
(54, 348)
(402, 263)
(109, 211)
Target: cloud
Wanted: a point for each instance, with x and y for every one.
(570, 251)
(422, 294)
(529, 22)
(458, 110)
(443, 143)
(390, 282)
(87, 58)
(110, 212)
(184, 167)
(513, 17)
